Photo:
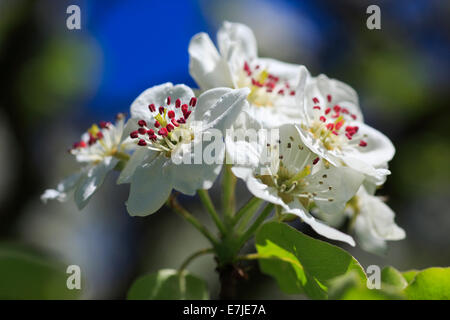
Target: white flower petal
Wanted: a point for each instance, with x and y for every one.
(150, 188)
(334, 187)
(379, 149)
(237, 35)
(191, 175)
(219, 108)
(64, 187)
(381, 219)
(158, 96)
(206, 66)
(262, 191)
(140, 156)
(321, 228)
(92, 179)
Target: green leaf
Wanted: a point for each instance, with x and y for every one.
(26, 275)
(430, 284)
(168, 284)
(351, 287)
(392, 277)
(410, 275)
(299, 263)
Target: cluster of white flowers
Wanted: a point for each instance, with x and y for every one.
(324, 165)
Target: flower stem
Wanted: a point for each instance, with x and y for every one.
(228, 195)
(252, 229)
(208, 204)
(247, 211)
(173, 203)
(193, 256)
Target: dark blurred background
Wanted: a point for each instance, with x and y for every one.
(55, 82)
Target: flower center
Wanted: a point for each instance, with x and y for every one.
(291, 183)
(265, 87)
(93, 145)
(328, 125)
(168, 127)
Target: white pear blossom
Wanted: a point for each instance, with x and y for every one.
(371, 220)
(333, 127)
(274, 84)
(170, 125)
(100, 149)
(296, 179)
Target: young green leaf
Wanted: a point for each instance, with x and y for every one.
(299, 263)
(168, 284)
(430, 284)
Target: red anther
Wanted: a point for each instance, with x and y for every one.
(322, 118)
(142, 123)
(246, 67)
(316, 107)
(353, 117)
(177, 103)
(335, 133)
(270, 84)
(171, 114)
(337, 108)
(104, 124)
(82, 144)
(316, 160)
(175, 123)
(281, 91)
(355, 129)
(286, 84)
(339, 124)
(334, 116)
(327, 110)
(345, 110)
(257, 67)
(134, 134)
(161, 110)
(330, 126)
(92, 139)
(184, 108)
(142, 143)
(151, 107)
(150, 132)
(187, 114)
(169, 127)
(269, 90)
(256, 83)
(329, 97)
(292, 93)
(168, 100)
(153, 138)
(163, 132)
(157, 124)
(142, 131)
(348, 135)
(193, 102)
(362, 143)
(181, 120)
(99, 135)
